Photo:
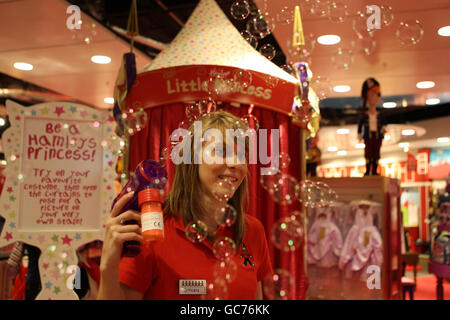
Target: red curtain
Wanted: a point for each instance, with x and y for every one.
(149, 143)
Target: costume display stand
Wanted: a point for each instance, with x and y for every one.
(364, 239)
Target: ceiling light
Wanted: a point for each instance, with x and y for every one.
(101, 59)
(387, 137)
(342, 153)
(443, 139)
(425, 84)
(109, 100)
(403, 144)
(406, 149)
(432, 101)
(329, 39)
(408, 132)
(23, 66)
(3, 162)
(389, 105)
(360, 146)
(444, 31)
(332, 149)
(2, 122)
(341, 88)
(343, 131)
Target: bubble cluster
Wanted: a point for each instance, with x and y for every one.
(244, 77)
(287, 234)
(279, 286)
(338, 11)
(223, 189)
(342, 59)
(410, 32)
(363, 45)
(285, 160)
(225, 215)
(250, 121)
(224, 248)
(216, 290)
(260, 25)
(285, 15)
(196, 231)
(320, 8)
(321, 86)
(251, 39)
(240, 9)
(282, 187)
(134, 120)
(268, 51)
(225, 270)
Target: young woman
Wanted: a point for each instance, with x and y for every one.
(156, 272)
(371, 125)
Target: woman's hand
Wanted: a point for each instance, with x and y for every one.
(117, 233)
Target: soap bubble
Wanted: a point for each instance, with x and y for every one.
(279, 286)
(250, 121)
(283, 188)
(324, 191)
(207, 105)
(240, 9)
(342, 59)
(269, 179)
(216, 290)
(226, 215)
(165, 156)
(285, 160)
(363, 45)
(338, 11)
(223, 189)
(410, 32)
(193, 111)
(320, 8)
(268, 51)
(134, 120)
(251, 39)
(224, 248)
(270, 81)
(196, 231)
(302, 114)
(218, 84)
(225, 270)
(321, 86)
(261, 25)
(287, 234)
(244, 77)
(387, 15)
(359, 25)
(309, 194)
(307, 6)
(285, 15)
(288, 68)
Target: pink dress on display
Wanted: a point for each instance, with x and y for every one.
(324, 240)
(363, 244)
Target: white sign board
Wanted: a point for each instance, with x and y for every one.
(59, 184)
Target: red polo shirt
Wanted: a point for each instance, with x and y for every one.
(156, 270)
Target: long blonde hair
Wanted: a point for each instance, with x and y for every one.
(183, 198)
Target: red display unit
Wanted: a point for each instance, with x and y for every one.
(367, 227)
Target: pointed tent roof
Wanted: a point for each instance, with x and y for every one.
(209, 38)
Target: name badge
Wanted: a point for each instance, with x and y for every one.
(191, 286)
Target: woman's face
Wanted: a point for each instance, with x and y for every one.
(374, 96)
(221, 178)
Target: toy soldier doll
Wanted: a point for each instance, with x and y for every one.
(371, 125)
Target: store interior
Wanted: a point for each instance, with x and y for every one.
(50, 54)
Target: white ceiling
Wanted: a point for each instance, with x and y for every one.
(397, 67)
(35, 32)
